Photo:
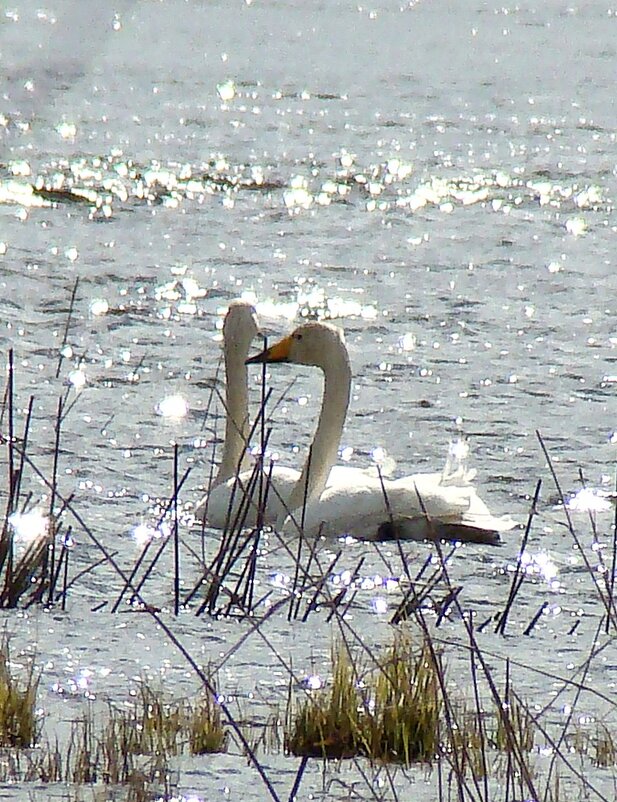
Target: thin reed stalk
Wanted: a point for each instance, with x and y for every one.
(607, 602)
(519, 573)
(67, 326)
(176, 534)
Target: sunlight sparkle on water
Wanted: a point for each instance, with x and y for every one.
(297, 195)
(384, 461)
(540, 564)
(226, 91)
(576, 226)
(313, 682)
(281, 581)
(407, 342)
(589, 500)
(78, 379)
(311, 302)
(271, 309)
(98, 307)
(29, 526)
(380, 605)
(67, 130)
(143, 534)
(172, 407)
(346, 453)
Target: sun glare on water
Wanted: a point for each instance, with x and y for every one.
(589, 500)
(173, 407)
(541, 564)
(29, 526)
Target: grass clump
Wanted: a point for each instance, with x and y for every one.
(394, 716)
(515, 728)
(329, 723)
(158, 724)
(19, 726)
(106, 754)
(598, 744)
(605, 747)
(466, 739)
(206, 733)
(404, 726)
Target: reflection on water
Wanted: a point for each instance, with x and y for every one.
(445, 191)
(29, 526)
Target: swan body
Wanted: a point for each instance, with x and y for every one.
(415, 507)
(234, 478)
(234, 474)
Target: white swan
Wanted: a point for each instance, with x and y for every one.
(415, 507)
(235, 475)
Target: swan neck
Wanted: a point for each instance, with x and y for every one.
(324, 448)
(235, 458)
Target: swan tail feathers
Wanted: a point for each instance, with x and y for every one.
(421, 528)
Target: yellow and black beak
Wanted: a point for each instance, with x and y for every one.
(279, 352)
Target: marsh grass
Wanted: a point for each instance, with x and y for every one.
(328, 723)
(19, 725)
(467, 739)
(109, 753)
(391, 714)
(604, 747)
(158, 723)
(597, 743)
(82, 757)
(268, 734)
(130, 747)
(206, 733)
(404, 724)
(22, 578)
(515, 728)
(104, 756)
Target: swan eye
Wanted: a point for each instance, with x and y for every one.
(298, 337)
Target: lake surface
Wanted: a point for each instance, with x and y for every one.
(437, 178)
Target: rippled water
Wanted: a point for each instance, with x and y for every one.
(439, 178)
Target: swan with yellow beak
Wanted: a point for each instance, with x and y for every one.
(416, 507)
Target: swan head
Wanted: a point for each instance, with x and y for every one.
(240, 326)
(314, 344)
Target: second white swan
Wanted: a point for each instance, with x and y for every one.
(415, 507)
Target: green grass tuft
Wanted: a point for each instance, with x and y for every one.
(205, 727)
(329, 723)
(19, 726)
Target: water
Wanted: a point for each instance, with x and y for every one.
(437, 177)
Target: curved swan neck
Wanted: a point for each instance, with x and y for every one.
(237, 417)
(324, 448)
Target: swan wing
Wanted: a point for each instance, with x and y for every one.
(359, 509)
(433, 491)
(346, 475)
(214, 510)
